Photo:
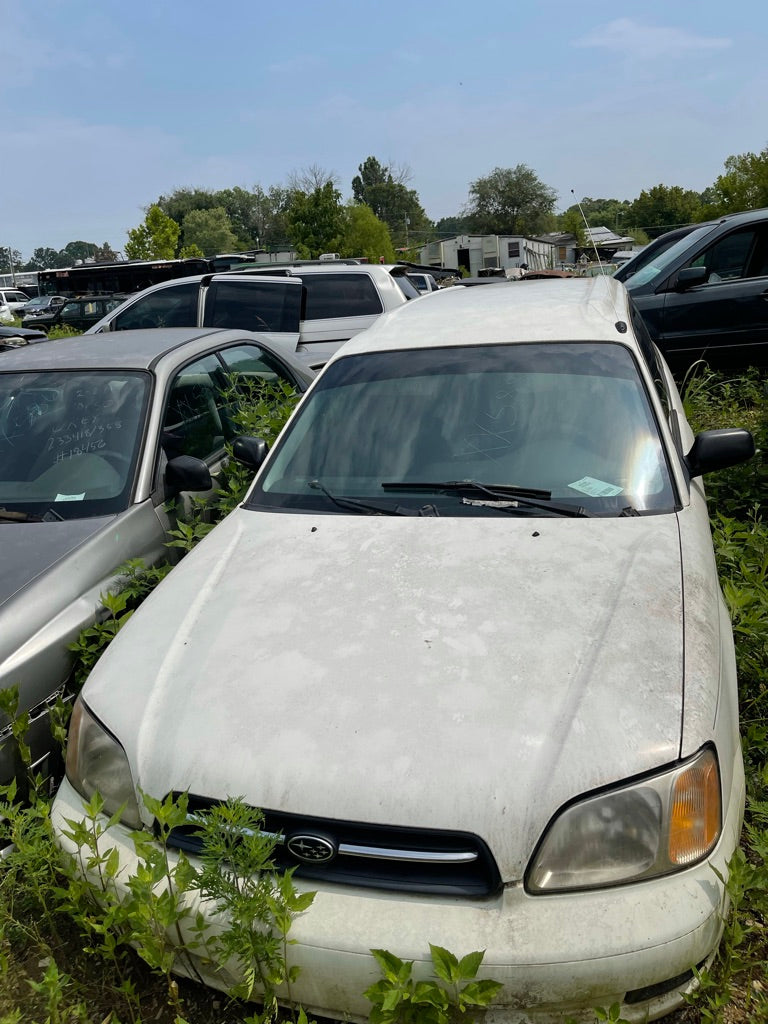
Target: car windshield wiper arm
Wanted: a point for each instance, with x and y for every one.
(371, 510)
(531, 497)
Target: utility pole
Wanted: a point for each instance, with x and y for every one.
(10, 261)
(407, 222)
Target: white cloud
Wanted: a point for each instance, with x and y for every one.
(630, 38)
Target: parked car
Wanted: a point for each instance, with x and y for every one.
(11, 299)
(309, 309)
(41, 304)
(425, 283)
(80, 313)
(651, 251)
(512, 729)
(97, 443)
(18, 337)
(705, 296)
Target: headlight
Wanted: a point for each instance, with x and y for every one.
(653, 827)
(96, 763)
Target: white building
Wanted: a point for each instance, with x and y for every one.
(483, 252)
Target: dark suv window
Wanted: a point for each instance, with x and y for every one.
(265, 306)
(169, 307)
(332, 295)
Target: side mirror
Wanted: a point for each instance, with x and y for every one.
(691, 276)
(718, 449)
(186, 473)
(250, 451)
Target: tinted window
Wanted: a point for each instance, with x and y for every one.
(169, 307)
(337, 295)
(739, 254)
(407, 286)
(253, 305)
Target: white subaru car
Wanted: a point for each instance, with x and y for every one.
(514, 729)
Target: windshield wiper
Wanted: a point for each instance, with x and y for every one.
(372, 510)
(531, 497)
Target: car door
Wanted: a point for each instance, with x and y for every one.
(197, 417)
(725, 317)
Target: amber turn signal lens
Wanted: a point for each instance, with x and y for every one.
(694, 825)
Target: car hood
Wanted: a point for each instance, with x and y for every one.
(30, 549)
(471, 674)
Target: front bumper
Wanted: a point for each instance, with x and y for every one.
(557, 956)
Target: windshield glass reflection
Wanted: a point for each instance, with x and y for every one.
(69, 441)
(570, 419)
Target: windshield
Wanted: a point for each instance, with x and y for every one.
(69, 441)
(666, 257)
(569, 420)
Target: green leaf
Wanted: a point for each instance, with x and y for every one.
(445, 964)
(469, 964)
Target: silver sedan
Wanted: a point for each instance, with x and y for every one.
(101, 442)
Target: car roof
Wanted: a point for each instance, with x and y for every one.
(577, 309)
(137, 350)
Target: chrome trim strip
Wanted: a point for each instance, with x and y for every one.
(412, 856)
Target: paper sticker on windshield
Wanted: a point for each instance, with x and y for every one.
(595, 488)
(70, 497)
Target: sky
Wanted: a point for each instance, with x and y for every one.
(108, 104)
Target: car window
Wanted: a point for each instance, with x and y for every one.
(193, 420)
(251, 363)
(571, 419)
(70, 309)
(739, 254)
(407, 286)
(168, 307)
(253, 306)
(70, 440)
(665, 258)
(338, 295)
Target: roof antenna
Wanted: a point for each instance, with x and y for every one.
(589, 236)
(621, 326)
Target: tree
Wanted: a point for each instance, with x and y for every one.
(446, 227)
(9, 258)
(209, 230)
(511, 201)
(156, 238)
(609, 213)
(386, 194)
(571, 221)
(44, 258)
(74, 251)
(316, 221)
(257, 217)
(744, 185)
(105, 254)
(366, 235)
(309, 179)
(663, 207)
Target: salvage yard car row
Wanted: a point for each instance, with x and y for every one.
(464, 636)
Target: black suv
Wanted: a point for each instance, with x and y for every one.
(706, 296)
(80, 313)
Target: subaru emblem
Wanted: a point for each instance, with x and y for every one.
(312, 849)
